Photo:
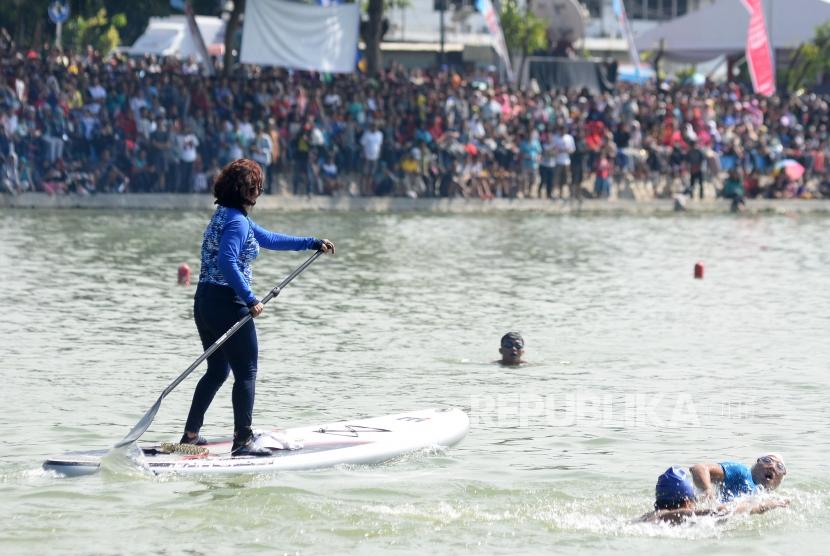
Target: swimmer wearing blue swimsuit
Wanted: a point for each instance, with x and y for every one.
(728, 480)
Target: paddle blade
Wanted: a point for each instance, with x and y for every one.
(140, 427)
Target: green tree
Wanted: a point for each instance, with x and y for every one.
(98, 30)
(25, 20)
(28, 23)
(523, 31)
(811, 61)
(685, 75)
(374, 32)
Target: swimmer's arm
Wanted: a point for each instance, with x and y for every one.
(647, 518)
(674, 517)
(722, 512)
(704, 474)
(754, 508)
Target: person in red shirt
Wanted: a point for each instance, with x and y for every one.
(594, 132)
(602, 185)
(436, 130)
(752, 184)
(126, 123)
(819, 165)
(198, 96)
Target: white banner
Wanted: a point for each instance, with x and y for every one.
(300, 36)
(197, 37)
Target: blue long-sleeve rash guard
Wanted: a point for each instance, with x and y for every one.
(238, 247)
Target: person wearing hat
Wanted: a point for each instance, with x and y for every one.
(674, 497)
(675, 502)
(728, 479)
(512, 348)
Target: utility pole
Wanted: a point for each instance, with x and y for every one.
(442, 4)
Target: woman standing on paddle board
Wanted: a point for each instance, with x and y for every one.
(231, 242)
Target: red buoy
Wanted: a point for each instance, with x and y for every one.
(184, 275)
(698, 270)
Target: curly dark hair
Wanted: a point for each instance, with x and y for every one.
(234, 180)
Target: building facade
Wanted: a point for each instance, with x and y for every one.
(414, 32)
(643, 14)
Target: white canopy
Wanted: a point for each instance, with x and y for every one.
(170, 36)
(720, 29)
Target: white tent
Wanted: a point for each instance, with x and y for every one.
(720, 29)
(170, 36)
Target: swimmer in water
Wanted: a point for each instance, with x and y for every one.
(512, 348)
(675, 501)
(727, 480)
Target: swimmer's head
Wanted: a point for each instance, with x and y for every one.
(512, 348)
(769, 471)
(674, 489)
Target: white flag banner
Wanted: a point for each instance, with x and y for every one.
(300, 36)
(625, 27)
(494, 25)
(198, 39)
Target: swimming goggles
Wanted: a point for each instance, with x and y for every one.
(769, 460)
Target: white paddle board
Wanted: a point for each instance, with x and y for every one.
(355, 442)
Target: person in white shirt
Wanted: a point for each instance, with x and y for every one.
(188, 143)
(245, 130)
(200, 177)
(371, 141)
(138, 103)
(563, 147)
(546, 168)
(146, 126)
(20, 89)
(235, 150)
(262, 147)
(329, 174)
(332, 99)
(318, 139)
(9, 121)
(261, 150)
(97, 92)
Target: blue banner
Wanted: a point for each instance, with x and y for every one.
(58, 11)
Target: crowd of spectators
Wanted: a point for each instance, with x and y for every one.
(83, 123)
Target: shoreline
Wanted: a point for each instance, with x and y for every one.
(290, 203)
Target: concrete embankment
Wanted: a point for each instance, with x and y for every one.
(163, 201)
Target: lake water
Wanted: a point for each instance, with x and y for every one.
(632, 366)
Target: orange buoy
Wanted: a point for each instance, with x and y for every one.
(184, 275)
(698, 270)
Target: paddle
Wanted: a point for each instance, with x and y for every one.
(142, 426)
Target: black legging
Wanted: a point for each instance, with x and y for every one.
(215, 310)
(695, 177)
